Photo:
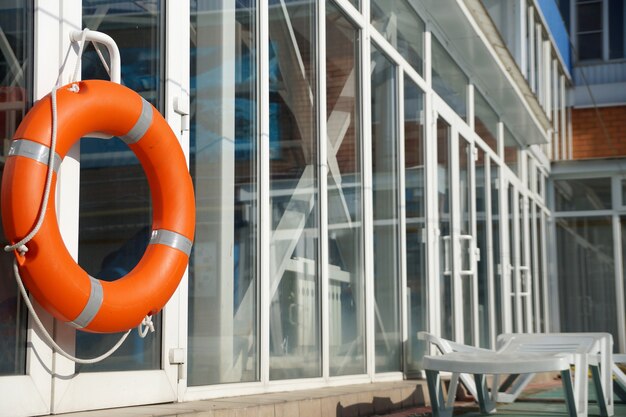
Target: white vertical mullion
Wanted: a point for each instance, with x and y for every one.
(431, 224)
(505, 256)
(532, 49)
(544, 270)
(474, 243)
(175, 317)
(523, 45)
(68, 185)
(517, 271)
(562, 128)
(368, 208)
(402, 218)
(470, 106)
(616, 185)
(323, 183)
(264, 187)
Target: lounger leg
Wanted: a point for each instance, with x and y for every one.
(597, 383)
(619, 384)
(435, 391)
(485, 401)
(581, 384)
(568, 389)
(516, 383)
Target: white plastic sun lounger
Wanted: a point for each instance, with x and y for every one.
(585, 351)
(481, 364)
(581, 349)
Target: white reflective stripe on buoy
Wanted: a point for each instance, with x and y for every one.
(171, 239)
(35, 151)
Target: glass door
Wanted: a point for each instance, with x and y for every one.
(457, 229)
(517, 274)
(109, 226)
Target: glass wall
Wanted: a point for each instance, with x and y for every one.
(496, 224)
(482, 266)
(511, 151)
(115, 214)
(415, 192)
(223, 284)
(449, 80)
(582, 194)
(445, 227)
(16, 77)
(385, 199)
(402, 27)
(345, 196)
(586, 268)
(295, 350)
(485, 121)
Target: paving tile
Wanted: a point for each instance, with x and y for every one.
(310, 408)
(288, 409)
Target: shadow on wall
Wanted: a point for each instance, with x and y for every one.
(409, 398)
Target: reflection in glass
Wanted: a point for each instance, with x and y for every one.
(345, 202)
(582, 194)
(402, 27)
(511, 151)
(482, 268)
(16, 73)
(586, 269)
(385, 200)
(485, 120)
(536, 234)
(466, 159)
(495, 233)
(513, 255)
(416, 280)
(223, 285)
(294, 272)
(449, 80)
(115, 210)
(445, 227)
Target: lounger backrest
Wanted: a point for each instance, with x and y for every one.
(548, 343)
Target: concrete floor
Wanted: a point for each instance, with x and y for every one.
(346, 401)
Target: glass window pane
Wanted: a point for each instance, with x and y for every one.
(294, 273)
(16, 73)
(385, 200)
(402, 27)
(345, 198)
(482, 266)
(511, 151)
(449, 80)
(617, 35)
(586, 273)
(589, 46)
(115, 208)
(223, 284)
(445, 226)
(589, 16)
(495, 230)
(415, 192)
(485, 120)
(582, 194)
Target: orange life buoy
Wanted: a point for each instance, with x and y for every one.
(52, 276)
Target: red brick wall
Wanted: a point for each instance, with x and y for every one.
(589, 139)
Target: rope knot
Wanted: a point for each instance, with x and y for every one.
(146, 326)
(74, 88)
